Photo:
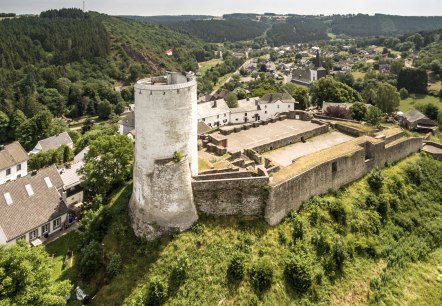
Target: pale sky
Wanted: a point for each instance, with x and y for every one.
(219, 7)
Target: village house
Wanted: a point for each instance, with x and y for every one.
(32, 208)
(126, 126)
(414, 120)
(72, 191)
(13, 162)
(214, 113)
(53, 143)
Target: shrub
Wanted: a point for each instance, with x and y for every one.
(157, 292)
(179, 271)
(337, 112)
(337, 212)
(91, 258)
(261, 277)
(235, 270)
(339, 254)
(114, 266)
(322, 242)
(298, 274)
(178, 156)
(358, 111)
(403, 93)
(414, 174)
(374, 116)
(298, 231)
(372, 201)
(375, 180)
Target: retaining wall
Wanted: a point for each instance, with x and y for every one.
(242, 196)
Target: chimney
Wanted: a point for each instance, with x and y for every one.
(34, 172)
(2, 147)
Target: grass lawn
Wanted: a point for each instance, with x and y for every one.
(221, 81)
(415, 100)
(204, 66)
(435, 86)
(358, 75)
(58, 249)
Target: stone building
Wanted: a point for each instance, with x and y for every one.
(166, 155)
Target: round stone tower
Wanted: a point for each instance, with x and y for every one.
(166, 155)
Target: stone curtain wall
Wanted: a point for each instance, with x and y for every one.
(291, 139)
(290, 194)
(242, 196)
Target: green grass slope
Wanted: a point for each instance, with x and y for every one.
(377, 241)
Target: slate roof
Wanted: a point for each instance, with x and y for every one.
(70, 176)
(245, 106)
(208, 109)
(11, 155)
(414, 115)
(26, 213)
(128, 120)
(202, 128)
(56, 141)
(273, 97)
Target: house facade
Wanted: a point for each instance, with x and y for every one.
(31, 207)
(13, 162)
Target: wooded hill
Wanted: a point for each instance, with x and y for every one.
(69, 62)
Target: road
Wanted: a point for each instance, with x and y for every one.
(246, 63)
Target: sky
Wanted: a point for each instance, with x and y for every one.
(219, 7)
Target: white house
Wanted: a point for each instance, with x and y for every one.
(53, 143)
(31, 207)
(13, 162)
(72, 191)
(214, 113)
(126, 126)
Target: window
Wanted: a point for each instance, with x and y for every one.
(265, 106)
(334, 167)
(245, 114)
(45, 229)
(278, 105)
(265, 112)
(8, 171)
(33, 234)
(204, 119)
(18, 167)
(18, 175)
(225, 115)
(56, 223)
(289, 106)
(217, 116)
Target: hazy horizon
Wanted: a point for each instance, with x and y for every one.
(202, 7)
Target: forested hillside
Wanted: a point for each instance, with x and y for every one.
(296, 30)
(379, 24)
(223, 30)
(68, 62)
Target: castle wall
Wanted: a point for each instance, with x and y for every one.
(289, 194)
(237, 196)
(291, 139)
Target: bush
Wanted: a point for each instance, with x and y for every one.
(375, 180)
(339, 254)
(374, 116)
(298, 274)
(403, 93)
(414, 174)
(337, 212)
(179, 271)
(157, 292)
(178, 156)
(114, 266)
(298, 231)
(91, 258)
(358, 111)
(235, 270)
(261, 277)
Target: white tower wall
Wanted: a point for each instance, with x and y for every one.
(165, 123)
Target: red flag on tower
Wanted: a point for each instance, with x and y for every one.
(169, 52)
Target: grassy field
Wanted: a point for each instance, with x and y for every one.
(204, 66)
(221, 81)
(435, 86)
(375, 248)
(416, 100)
(358, 74)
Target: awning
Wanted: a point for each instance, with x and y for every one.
(36, 242)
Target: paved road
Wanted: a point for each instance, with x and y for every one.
(246, 63)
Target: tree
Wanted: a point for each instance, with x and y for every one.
(436, 66)
(414, 80)
(34, 129)
(329, 90)
(431, 111)
(107, 163)
(358, 111)
(232, 100)
(396, 66)
(53, 100)
(4, 127)
(298, 274)
(26, 277)
(374, 116)
(91, 258)
(104, 109)
(387, 98)
(346, 78)
(299, 93)
(18, 118)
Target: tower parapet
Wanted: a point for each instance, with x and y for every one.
(166, 155)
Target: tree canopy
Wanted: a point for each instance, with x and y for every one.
(329, 90)
(25, 277)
